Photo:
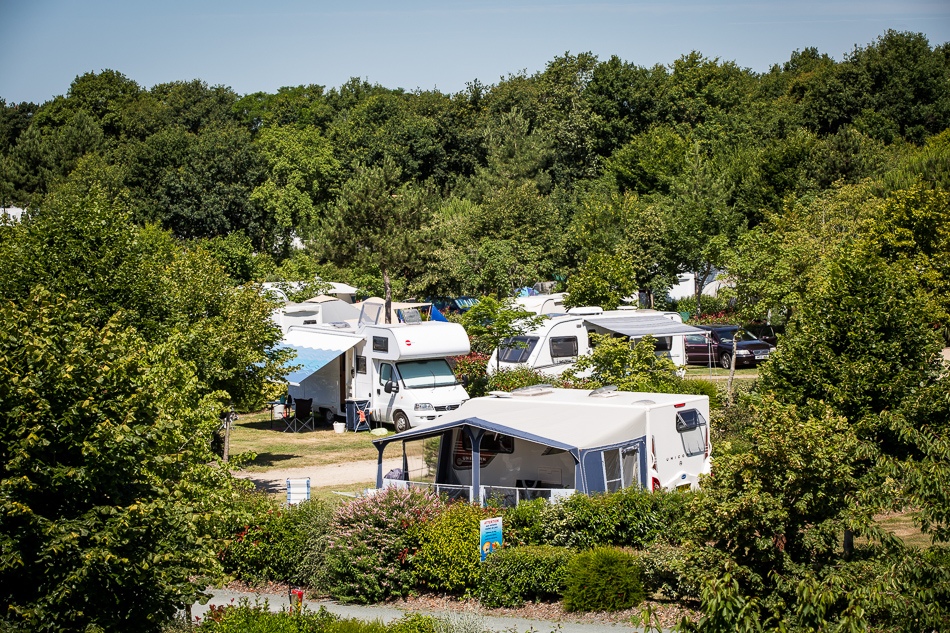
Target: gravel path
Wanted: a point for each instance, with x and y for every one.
(346, 474)
(498, 621)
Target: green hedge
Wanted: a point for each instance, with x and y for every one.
(631, 517)
(517, 575)
(603, 579)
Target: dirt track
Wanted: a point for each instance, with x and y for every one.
(346, 474)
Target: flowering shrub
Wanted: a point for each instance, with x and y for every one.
(374, 540)
(470, 371)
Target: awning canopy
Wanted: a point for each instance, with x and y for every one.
(563, 420)
(315, 351)
(639, 326)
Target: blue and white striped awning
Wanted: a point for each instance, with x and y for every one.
(314, 352)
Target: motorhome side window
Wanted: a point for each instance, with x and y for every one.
(563, 348)
(380, 344)
(361, 364)
(691, 426)
(517, 349)
(385, 373)
(621, 467)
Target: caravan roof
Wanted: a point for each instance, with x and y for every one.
(571, 419)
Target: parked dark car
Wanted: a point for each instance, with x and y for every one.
(764, 331)
(716, 346)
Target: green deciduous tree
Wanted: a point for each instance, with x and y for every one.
(375, 223)
(110, 496)
(490, 321)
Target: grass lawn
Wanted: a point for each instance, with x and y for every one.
(278, 449)
(902, 526)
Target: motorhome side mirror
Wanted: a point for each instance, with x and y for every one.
(464, 381)
(391, 387)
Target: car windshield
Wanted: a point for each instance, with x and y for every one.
(516, 349)
(419, 374)
(726, 334)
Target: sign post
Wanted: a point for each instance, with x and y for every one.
(491, 538)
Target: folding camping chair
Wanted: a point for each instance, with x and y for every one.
(302, 417)
(363, 416)
(298, 490)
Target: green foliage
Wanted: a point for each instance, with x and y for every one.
(515, 575)
(510, 379)
(490, 321)
(786, 499)
(604, 280)
(245, 617)
(603, 579)
(470, 371)
(276, 543)
(630, 517)
(861, 344)
(630, 367)
(168, 292)
(375, 538)
(413, 623)
(109, 482)
(448, 557)
(669, 571)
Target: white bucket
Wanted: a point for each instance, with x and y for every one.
(339, 427)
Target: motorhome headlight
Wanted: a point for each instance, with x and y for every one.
(424, 406)
(743, 352)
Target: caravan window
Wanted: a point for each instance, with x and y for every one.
(380, 344)
(691, 425)
(516, 349)
(621, 467)
(361, 364)
(563, 348)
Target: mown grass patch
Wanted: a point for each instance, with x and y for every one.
(276, 448)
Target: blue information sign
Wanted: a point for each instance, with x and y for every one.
(491, 537)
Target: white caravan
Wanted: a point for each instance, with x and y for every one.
(397, 371)
(549, 443)
(555, 345)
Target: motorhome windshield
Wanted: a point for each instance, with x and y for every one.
(516, 349)
(420, 374)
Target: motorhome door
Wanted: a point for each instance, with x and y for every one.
(384, 402)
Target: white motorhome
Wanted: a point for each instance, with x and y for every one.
(320, 310)
(549, 443)
(555, 345)
(397, 371)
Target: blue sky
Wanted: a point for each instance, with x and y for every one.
(261, 46)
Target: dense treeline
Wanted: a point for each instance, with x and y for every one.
(648, 172)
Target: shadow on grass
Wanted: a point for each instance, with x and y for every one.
(263, 425)
(270, 459)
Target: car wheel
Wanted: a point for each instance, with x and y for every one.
(400, 421)
(725, 359)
